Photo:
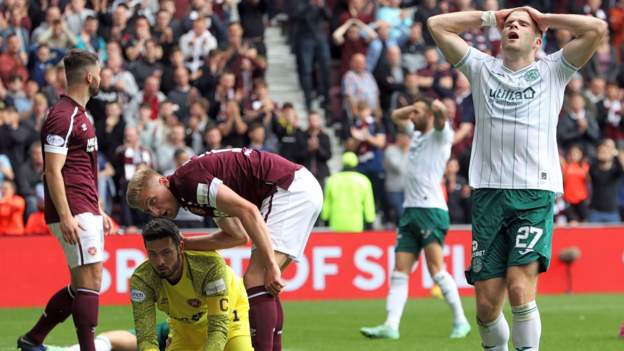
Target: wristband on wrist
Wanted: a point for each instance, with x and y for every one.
(488, 19)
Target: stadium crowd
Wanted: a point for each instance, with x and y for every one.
(181, 78)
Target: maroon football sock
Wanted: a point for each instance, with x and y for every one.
(85, 313)
(262, 318)
(57, 310)
(279, 325)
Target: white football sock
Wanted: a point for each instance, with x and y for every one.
(451, 296)
(526, 326)
(397, 296)
(494, 335)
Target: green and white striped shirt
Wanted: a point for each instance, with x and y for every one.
(515, 143)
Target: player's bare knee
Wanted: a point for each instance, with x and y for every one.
(520, 292)
(87, 277)
(487, 309)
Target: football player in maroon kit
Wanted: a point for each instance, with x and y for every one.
(248, 192)
(72, 208)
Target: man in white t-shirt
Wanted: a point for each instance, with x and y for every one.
(514, 167)
(425, 221)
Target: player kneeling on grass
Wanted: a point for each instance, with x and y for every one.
(425, 221)
(206, 302)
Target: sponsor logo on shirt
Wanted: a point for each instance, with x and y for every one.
(137, 295)
(511, 97)
(55, 140)
(92, 144)
(216, 287)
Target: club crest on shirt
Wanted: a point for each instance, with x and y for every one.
(92, 250)
(194, 303)
(531, 75)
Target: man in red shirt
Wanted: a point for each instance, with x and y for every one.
(274, 201)
(72, 209)
(11, 210)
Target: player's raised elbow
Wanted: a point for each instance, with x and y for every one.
(599, 29)
(433, 23)
(602, 28)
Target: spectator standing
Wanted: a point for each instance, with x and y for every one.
(358, 84)
(88, 39)
(130, 157)
(52, 13)
(368, 138)
(606, 174)
(413, 49)
(312, 49)
(58, 36)
(395, 161)
(390, 76)
(349, 200)
(13, 60)
(251, 14)
(609, 114)
(150, 95)
(231, 125)
(182, 94)
(11, 210)
(604, 62)
(29, 177)
(291, 139)
(353, 37)
(458, 193)
(76, 15)
(165, 151)
(578, 126)
(148, 64)
(110, 131)
(44, 58)
(575, 171)
(196, 44)
(318, 150)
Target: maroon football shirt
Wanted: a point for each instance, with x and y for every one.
(252, 174)
(68, 130)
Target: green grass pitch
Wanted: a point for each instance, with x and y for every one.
(569, 323)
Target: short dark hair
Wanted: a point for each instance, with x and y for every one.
(75, 62)
(160, 228)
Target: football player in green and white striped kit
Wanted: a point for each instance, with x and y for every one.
(425, 221)
(515, 162)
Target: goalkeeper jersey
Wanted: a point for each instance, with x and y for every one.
(202, 299)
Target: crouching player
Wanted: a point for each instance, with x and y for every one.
(206, 302)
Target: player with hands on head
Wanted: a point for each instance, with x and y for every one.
(425, 222)
(514, 167)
